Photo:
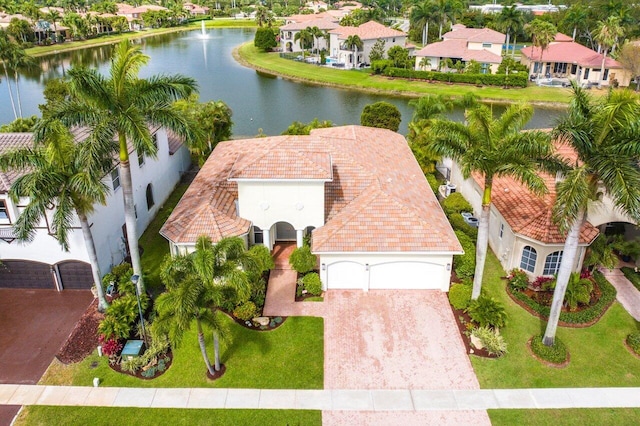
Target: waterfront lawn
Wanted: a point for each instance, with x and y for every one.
(71, 416)
(590, 348)
(289, 357)
(364, 80)
(569, 417)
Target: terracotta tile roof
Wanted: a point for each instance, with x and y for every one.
(528, 214)
(476, 35)
(322, 23)
(329, 16)
(458, 49)
(569, 52)
(378, 200)
(371, 30)
(10, 141)
(283, 164)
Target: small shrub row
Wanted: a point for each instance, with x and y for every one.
(632, 276)
(633, 340)
(456, 203)
(460, 296)
(465, 264)
(511, 80)
(492, 340)
(458, 223)
(556, 354)
(592, 313)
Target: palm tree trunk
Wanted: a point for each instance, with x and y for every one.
(604, 59)
(564, 272)
(15, 76)
(216, 351)
(483, 239)
(440, 33)
(13, 104)
(203, 348)
(575, 30)
(508, 38)
(93, 260)
(515, 39)
(129, 212)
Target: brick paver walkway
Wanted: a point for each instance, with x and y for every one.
(627, 294)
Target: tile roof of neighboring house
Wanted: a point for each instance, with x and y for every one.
(458, 49)
(562, 37)
(371, 30)
(569, 52)
(10, 141)
(528, 214)
(312, 17)
(477, 35)
(378, 200)
(322, 23)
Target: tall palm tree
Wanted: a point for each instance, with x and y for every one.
(305, 39)
(510, 20)
(446, 10)
(575, 17)
(354, 42)
(58, 172)
(493, 148)
(54, 16)
(606, 138)
(542, 33)
(121, 108)
(14, 58)
(421, 15)
(6, 47)
(607, 35)
(317, 33)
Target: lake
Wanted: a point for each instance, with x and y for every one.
(258, 101)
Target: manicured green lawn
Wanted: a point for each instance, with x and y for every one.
(72, 416)
(155, 246)
(289, 357)
(592, 349)
(363, 80)
(573, 417)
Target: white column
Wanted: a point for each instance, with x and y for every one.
(365, 285)
(266, 238)
(299, 237)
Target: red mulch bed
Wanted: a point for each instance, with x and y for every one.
(84, 338)
(457, 314)
(217, 374)
(168, 360)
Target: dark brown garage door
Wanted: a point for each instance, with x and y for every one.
(75, 275)
(25, 274)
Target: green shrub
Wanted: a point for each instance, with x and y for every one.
(456, 203)
(312, 284)
(556, 354)
(120, 316)
(487, 312)
(258, 293)
(263, 258)
(633, 340)
(585, 316)
(458, 223)
(465, 264)
(381, 66)
(632, 276)
(492, 340)
(433, 182)
(460, 296)
(511, 80)
(518, 279)
(245, 311)
(229, 297)
(302, 260)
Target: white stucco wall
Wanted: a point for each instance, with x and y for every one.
(300, 203)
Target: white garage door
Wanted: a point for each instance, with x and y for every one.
(405, 275)
(345, 275)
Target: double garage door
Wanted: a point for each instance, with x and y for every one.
(28, 274)
(384, 276)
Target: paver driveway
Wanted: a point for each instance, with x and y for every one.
(395, 339)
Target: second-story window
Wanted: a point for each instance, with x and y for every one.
(140, 159)
(4, 212)
(115, 178)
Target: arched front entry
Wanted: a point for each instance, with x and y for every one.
(285, 232)
(624, 238)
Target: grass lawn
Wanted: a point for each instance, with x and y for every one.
(155, 246)
(363, 80)
(43, 415)
(591, 349)
(289, 357)
(572, 417)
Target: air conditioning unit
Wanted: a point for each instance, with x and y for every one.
(449, 189)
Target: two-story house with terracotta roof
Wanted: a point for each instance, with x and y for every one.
(373, 219)
(463, 44)
(41, 263)
(288, 33)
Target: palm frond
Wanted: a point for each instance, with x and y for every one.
(573, 196)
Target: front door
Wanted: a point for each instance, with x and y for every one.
(285, 232)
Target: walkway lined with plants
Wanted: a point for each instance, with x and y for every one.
(627, 294)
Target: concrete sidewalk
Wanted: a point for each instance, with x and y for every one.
(326, 400)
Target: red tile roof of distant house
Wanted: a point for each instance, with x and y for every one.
(458, 49)
(563, 50)
(475, 35)
(377, 190)
(322, 23)
(371, 30)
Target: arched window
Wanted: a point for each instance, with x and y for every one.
(528, 260)
(552, 263)
(150, 201)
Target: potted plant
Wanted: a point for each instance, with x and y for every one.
(628, 250)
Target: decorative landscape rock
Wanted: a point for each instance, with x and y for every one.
(476, 342)
(262, 320)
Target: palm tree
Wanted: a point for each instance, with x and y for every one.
(607, 35)
(605, 136)
(13, 59)
(575, 17)
(425, 63)
(54, 16)
(542, 33)
(493, 148)
(354, 43)
(510, 20)
(446, 10)
(121, 108)
(6, 47)
(421, 15)
(58, 172)
(317, 33)
(305, 38)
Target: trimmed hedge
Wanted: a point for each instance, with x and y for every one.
(460, 296)
(465, 264)
(608, 295)
(556, 354)
(458, 224)
(632, 276)
(433, 182)
(512, 80)
(456, 203)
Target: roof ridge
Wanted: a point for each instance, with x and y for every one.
(317, 166)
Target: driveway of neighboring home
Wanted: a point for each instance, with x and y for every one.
(35, 324)
(395, 340)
